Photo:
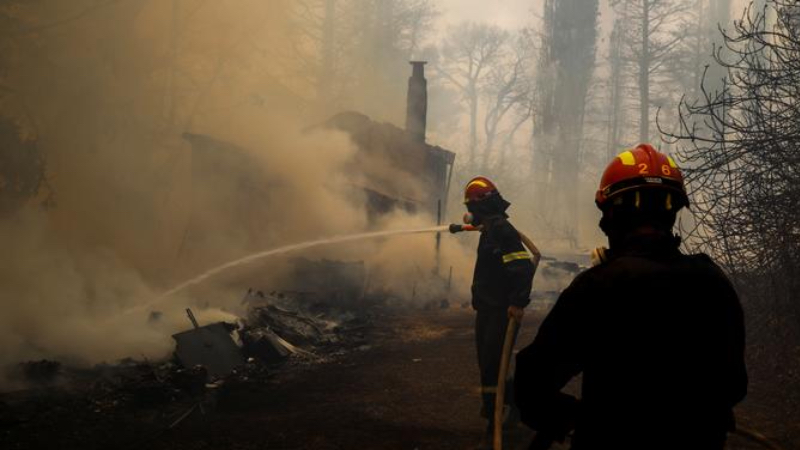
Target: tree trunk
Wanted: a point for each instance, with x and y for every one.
(566, 66)
(719, 13)
(326, 67)
(473, 124)
(644, 75)
(487, 149)
(171, 91)
(508, 142)
(616, 84)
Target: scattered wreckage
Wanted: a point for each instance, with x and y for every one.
(268, 334)
(278, 331)
(214, 363)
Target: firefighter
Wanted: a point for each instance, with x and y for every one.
(501, 283)
(657, 335)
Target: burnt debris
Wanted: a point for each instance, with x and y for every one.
(210, 346)
(280, 332)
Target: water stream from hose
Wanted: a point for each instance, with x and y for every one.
(287, 249)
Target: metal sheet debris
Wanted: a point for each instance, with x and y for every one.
(210, 346)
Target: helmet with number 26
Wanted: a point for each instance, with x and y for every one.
(642, 168)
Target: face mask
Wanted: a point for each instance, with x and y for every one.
(470, 219)
(491, 206)
(473, 217)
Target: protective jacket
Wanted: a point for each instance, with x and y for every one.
(659, 339)
(503, 270)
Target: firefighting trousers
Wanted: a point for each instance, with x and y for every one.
(490, 332)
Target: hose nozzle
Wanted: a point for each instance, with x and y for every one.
(457, 228)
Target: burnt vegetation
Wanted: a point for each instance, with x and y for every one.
(739, 142)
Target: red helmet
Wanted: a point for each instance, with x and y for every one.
(642, 168)
(478, 189)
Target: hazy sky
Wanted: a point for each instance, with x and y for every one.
(513, 13)
(505, 13)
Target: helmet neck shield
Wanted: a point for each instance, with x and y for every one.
(641, 220)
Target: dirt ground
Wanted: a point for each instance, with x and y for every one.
(413, 387)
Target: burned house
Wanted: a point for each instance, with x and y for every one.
(400, 169)
(417, 175)
(397, 170)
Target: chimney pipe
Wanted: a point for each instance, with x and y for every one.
(417, 102)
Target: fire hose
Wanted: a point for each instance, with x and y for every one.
(508, 343)
(505, 361)
(499, 401)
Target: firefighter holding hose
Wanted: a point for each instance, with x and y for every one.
(658, 335)
(501, 286)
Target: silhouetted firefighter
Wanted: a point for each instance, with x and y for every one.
(658, 335)
(501, 284)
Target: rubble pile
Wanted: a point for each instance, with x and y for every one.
(211, 364)
(275, 327)
(278, 326)
(294, 327)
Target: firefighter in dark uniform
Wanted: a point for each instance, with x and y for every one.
(501, 283)
(657, 335)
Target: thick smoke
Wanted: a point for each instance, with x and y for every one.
(110, 99)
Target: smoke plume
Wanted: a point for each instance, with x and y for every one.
(114, 98)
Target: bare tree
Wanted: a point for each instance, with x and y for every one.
(566, 66)
(654, 29)
(326, 68)
(339, 46)
(314, 50)
(468, 53)
(688, 60)
(740, 144)
(507, 90)
(413, 21)
(616, 83)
